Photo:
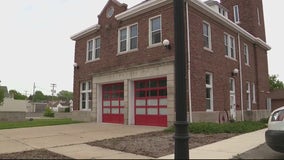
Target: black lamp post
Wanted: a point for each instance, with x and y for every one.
(181, 124)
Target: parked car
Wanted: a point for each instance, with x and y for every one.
(274, 136)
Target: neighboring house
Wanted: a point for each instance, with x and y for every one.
(277, 98)
(60, 106)
(124, 74)
(12, 105)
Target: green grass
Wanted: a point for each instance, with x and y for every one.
(213, 128)
(36, 123)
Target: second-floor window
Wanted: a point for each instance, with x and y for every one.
(246, 53)
(236, 14)
(207, 35)
(155, 30)
(230, 46)
(128, 38)
(93, 49)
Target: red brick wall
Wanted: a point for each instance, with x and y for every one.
(248, 15)
(202, 61)
(109, 40)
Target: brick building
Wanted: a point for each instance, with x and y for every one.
(124, 69)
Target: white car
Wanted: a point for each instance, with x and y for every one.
(274, 136)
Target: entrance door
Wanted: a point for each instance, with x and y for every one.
(151, 102)
(232, 99)
(113, 104)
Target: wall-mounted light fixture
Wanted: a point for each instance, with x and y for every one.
(76, 66)
(166, 44)
(235, 72)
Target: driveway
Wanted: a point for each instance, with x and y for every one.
(51, 137)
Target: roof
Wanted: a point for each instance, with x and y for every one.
(277, 94)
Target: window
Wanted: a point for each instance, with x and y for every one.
(246, 53)
(93, 49)
(258, 16)
(209, 91)
(232, 85)
(86, 96)
(155, 30)
(253, 94)
(223, 12)
(230, 46)
(236, 14)
(248, 96)
(128, 38)
(207, 35)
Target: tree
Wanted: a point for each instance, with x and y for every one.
(65, 95)
(2, 95)
(17, 95)
(275, 83)
(39, 97)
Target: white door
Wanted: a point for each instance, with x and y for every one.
(233, 106)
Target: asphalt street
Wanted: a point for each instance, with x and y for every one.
(261, 152)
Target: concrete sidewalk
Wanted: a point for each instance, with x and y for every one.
(69, 140)
(228, 148)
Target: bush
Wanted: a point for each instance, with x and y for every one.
(213, 128)
(48, 112)
(264, 120)
(67, 110)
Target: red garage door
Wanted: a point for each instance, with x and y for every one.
(113, 104)
(151, 102)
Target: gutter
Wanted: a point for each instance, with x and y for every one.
(85, 32)
(241, 77)
(189, 63)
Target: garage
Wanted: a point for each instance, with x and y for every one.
(151, 102)
(113, 104)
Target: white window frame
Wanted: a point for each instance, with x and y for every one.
(246, 54)
(232, 84)
(248, 94)
(128, 39)
(236, 14)
(230, 46)
(208, 27)
(209, 86)
(88, 92)
(258, 17)
(253, 94)
(150, 31)
(95, 48)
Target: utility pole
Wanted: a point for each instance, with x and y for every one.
(34, 87)
(181, 124)
(53, 90)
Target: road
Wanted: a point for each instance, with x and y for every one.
(261, 152)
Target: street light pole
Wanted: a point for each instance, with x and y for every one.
(181, 124)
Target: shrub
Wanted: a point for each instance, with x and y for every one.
(213, 128)
(67, 110)
(48, 112)
(264, 120)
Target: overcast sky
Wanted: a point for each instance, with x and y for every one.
(35, 44)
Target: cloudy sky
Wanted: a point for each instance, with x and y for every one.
(35, 44)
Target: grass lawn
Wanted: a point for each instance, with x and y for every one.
(36, 123)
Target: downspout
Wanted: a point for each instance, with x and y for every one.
(241, 77)
(188, 61)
